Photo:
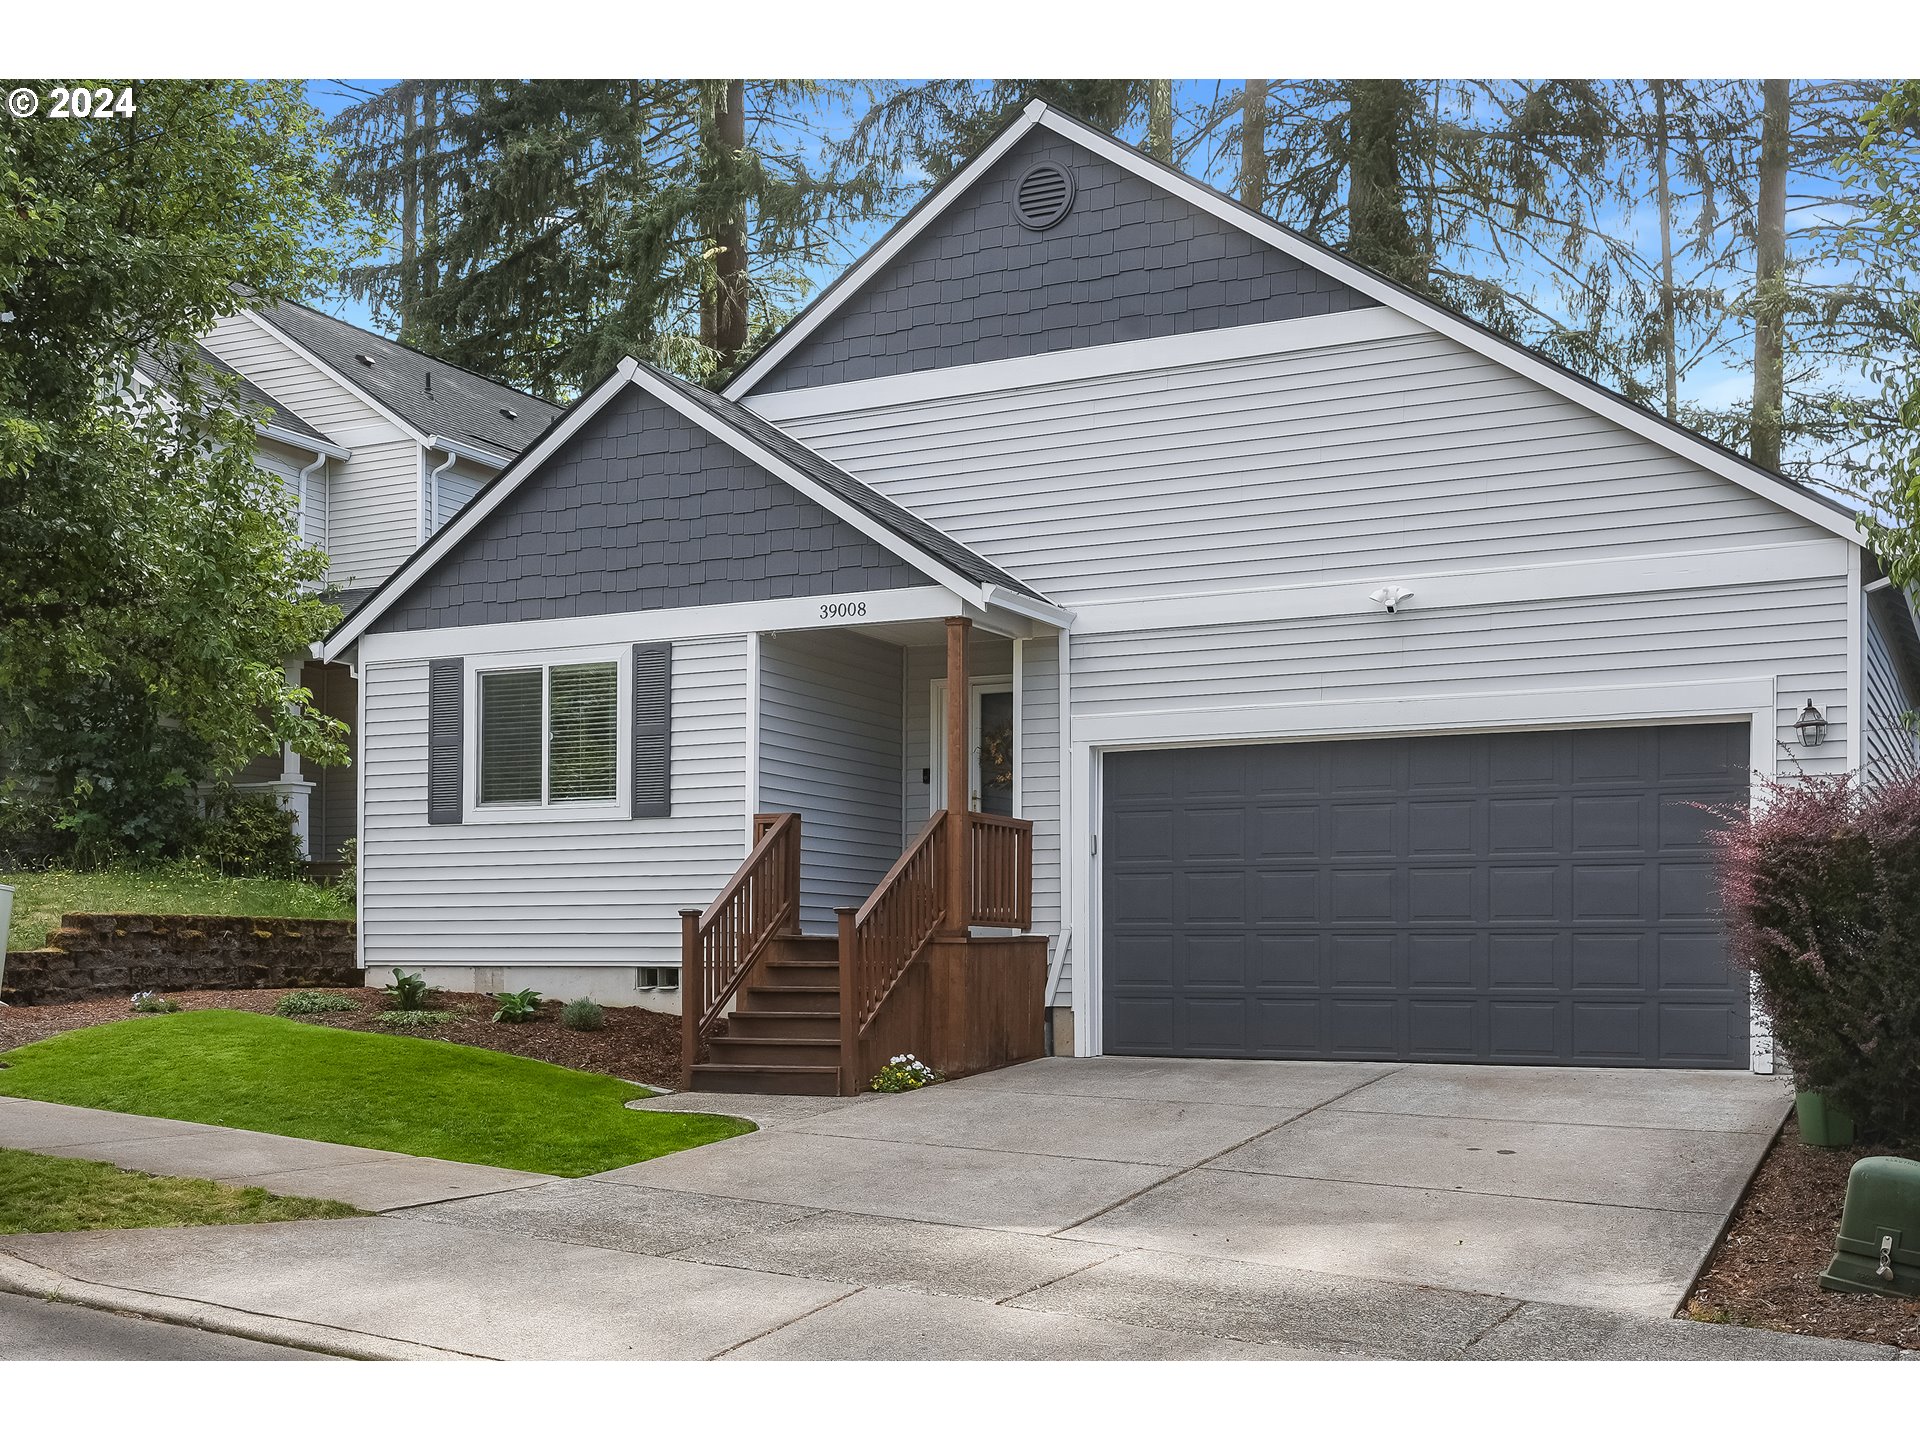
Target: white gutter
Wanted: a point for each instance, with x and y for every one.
(464, 451)
(1026, 605)
(293, 440)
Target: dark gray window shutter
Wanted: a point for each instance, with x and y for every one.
(446, 739)
(652, 730)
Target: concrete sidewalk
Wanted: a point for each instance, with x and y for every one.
(369, 1179)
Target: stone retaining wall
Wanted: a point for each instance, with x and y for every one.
(92, 956)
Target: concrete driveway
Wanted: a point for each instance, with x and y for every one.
(1072, 1209)
(1601, 1188)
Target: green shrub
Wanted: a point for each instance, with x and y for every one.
(347, 885)
(583, 1015)
(313, 1002)
(414, 1019)
(250, 834)
(151, 1002)
(1820, 885)
(408, 992)
(903, 1072)
(517, 1007)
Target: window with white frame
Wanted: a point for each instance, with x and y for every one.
(549, 734)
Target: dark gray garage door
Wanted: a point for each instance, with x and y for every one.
(1535, 899)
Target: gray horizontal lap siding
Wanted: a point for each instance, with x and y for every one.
(1890, 745)
(1129, 262)
(643, 510)
(830, 748)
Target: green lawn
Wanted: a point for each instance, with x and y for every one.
(388, 1092)
(40, 898)
(39, 1193)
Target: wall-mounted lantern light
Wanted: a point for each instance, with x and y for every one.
(1812, 726)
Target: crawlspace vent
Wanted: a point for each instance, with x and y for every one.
(1043, 196)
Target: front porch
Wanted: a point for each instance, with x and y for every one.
(848, 933)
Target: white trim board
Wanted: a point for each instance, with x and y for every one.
(1094, 362)
(1514, 357)
(693, 622)
(1637, 574)
(1477, 710)
(632, 372)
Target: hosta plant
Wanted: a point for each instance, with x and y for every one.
(903, 1072)
(408, 992)
(517, 1007)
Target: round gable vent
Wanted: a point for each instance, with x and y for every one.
(1043, 196)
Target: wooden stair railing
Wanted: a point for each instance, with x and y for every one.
(882, 939)
(1002, 871)
(718, 946)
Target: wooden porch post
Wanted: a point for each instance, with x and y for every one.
(959, 886)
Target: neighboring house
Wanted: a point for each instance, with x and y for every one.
(1360, 672)
(378, 447)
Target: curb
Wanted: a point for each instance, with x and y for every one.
(22, 1277)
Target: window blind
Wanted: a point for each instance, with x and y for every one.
(583, 732)
(510, 735)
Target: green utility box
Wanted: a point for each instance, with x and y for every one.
(1822, 1122)
(1878, 1249)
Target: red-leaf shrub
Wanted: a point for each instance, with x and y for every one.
(1820, 886)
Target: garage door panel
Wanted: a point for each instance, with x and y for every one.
(1443, 1029)
(1287, 1028)
(1435, 893)
(1439, 961)
(1212, 835)
(1521, 961)
(1609, 822)
(1285, 896)
(1362, 1029)
(1527, 898)
(1139, 835)
(1525, 1032)
(1362, 960)
(1441, 828)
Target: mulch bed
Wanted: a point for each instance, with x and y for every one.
(1766, 1271)
(634, 1044)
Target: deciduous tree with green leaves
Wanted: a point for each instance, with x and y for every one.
(150, 590)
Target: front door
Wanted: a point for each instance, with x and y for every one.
(990, 753)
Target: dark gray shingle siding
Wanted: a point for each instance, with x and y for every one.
(1130, 262)
(643, 510)
(894, 518)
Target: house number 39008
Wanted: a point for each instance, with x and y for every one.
(843, 609)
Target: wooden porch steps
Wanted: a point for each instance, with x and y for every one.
(783, 1036)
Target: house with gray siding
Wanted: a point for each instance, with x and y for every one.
(1353, 678)
(376, 446)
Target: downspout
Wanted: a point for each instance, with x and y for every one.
(318, 461)
(433, 494)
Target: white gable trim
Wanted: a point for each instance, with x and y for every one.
(1094, 362)
(1435, 317)
(418, 436)
(630, 372)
